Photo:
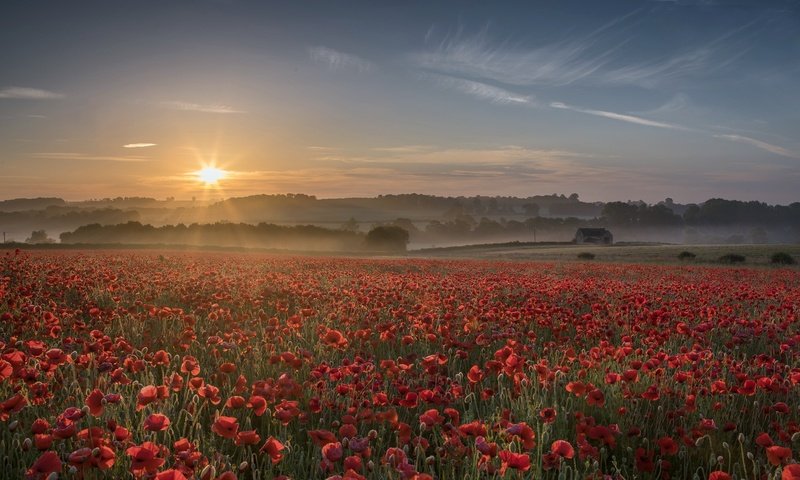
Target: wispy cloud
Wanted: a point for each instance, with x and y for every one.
(777, 150)
(25, 93)
(481, 90)
(447, 157)
(619, 116)
(73, 156)
(599, 58)
(336, 60)
(198, 107)
(139, 145)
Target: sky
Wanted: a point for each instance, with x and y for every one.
(613, 100)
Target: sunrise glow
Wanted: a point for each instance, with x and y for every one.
(210, 175)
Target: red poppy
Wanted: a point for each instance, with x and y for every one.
(12, 405)
(95, 402)
(718, 475)
(258, 404)
(226, 427)
(247, 437)
(524, 433)
(170, 474)
(189, 365)
(144, 458)
(517, 461)
(156, 422)
(778, 455)
(791, 472)
(332, 452)
(273, 448)
(563, 449)
(47, 463)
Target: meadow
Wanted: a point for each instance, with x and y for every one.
(215, 365)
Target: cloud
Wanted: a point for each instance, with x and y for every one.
(619, 116)
(82, 156)
(197, 107)
(336, 60)
(482, 90)
(25, 93)
(139, 145)
(777, 150)
(595, 58)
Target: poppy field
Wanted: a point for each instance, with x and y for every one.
(120, 364)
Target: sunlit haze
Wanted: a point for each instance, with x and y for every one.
(614, 100)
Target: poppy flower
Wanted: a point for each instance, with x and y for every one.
(791, 472)
(273, 448)
(517, 461)
(668, 446)
(95, 402)
(332, 452)
(719, 475)
(144, 458)
(258, 404)
(170, 474)
(563, 449)
(190, 366)
(524, 433)
(548, 415)
(47, 463)
(247, 437)
(596, 397)
(778, 455)
(156, 422)
(13, 405)
(226, 427)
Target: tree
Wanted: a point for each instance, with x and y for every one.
(387, 238)
(531, 209)
(39, 236)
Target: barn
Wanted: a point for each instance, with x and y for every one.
(597, 236)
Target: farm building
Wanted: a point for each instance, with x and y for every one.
(599, 236)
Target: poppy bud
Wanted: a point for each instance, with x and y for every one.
(85, 409)
(72, 470)
(373, 434)
(726, 446)
(345, 442)
(208, 472)
(54, 475)
(750, 455)
(27, 444)
(370, 465)
(13, 425)
(430, 460)
(243, 466)
(740, 437)
(796, 437)
(96, 452)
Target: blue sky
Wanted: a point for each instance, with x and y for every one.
(613, 100)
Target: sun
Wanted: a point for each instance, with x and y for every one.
(210, 175)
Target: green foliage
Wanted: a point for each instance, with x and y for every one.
(387, 238)
(686, 255)
(782, 258)
(732, 258)
(586, 256)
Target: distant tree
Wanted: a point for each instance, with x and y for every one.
(39, 236)
(387, 238)
(350, 225)
(531, 209)
(620, 213)
(574, 197)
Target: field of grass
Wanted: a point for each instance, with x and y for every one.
(705, 254)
